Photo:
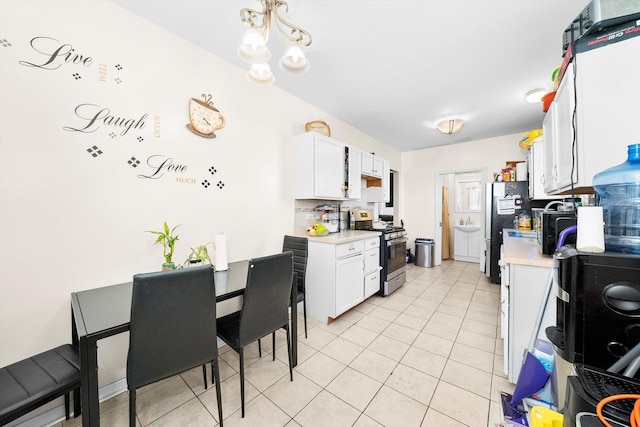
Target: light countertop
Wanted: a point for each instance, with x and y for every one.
(524, 251)
(337, 238)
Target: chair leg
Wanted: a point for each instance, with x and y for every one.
(77, 408)
(204, 375)
(259, 348)
(273, 345)
(216, 379)
(66, 406)
(132, 408)
(304, 307)
(241, 354)
(290, 354)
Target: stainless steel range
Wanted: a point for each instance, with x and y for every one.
(393, 252)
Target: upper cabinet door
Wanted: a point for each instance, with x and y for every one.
(367, 163)
(386, 181)
(318, 167)
(354, 168)
(329, 168)
(372, 165)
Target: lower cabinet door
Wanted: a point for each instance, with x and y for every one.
(371, 283)
(349, 279)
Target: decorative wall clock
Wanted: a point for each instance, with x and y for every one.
(205, 118)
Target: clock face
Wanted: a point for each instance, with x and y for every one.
(203, 118)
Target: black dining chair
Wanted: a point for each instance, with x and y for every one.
(265, 308)
(300, 248)
(173, 328)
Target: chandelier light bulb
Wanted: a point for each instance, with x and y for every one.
(260, 74)
(253, 48)
(294, 60)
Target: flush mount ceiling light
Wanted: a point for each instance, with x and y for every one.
(535, 95)
(254, 48)
(450, 126)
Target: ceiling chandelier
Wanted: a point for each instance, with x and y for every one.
(254, 48)
(450, 126)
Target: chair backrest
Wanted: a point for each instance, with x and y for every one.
(266, 298)
(300, 248)
(173, 324)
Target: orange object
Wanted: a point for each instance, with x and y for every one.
(547, 99)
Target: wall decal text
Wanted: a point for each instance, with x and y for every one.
(55, 54)
(95, 116)
(160, 165)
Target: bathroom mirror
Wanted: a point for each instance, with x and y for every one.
(468, 192)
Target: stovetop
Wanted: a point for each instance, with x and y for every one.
(389, 233)
(388, 230)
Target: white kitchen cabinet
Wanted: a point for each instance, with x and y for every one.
(526, 290)
(607, 112)
(558, 133)
(371, 266)
(319, 171)
(354, 168)
(349, 283)
(466, 243)
(386, 181)
(335, 277)
(371, 283)
(535, 164)
(372, 165)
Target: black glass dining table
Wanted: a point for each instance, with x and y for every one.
(102, 312)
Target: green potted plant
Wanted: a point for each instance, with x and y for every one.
(168, 240)
(198, 255)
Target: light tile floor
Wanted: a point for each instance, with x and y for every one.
(428, 355)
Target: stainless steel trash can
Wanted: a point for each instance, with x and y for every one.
(424, 252)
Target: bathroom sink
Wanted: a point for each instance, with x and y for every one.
(521, 233)
(467, 228)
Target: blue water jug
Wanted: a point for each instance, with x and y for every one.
(618, 192)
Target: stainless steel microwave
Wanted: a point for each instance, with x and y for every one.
(551, 223)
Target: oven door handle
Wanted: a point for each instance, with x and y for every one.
(396, 241)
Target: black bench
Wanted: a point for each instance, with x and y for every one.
(30, 383)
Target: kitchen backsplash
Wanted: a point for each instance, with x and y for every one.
(306, 213)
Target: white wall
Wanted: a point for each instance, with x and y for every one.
(69, 221)
(419, 169)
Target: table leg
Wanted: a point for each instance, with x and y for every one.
(89, 382)
(294, 321)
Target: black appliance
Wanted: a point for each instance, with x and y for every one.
(393, 255)
(598, 306)
(504, 202)
(588, 386)
(551, 223)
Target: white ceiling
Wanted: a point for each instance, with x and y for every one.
(394, 68)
